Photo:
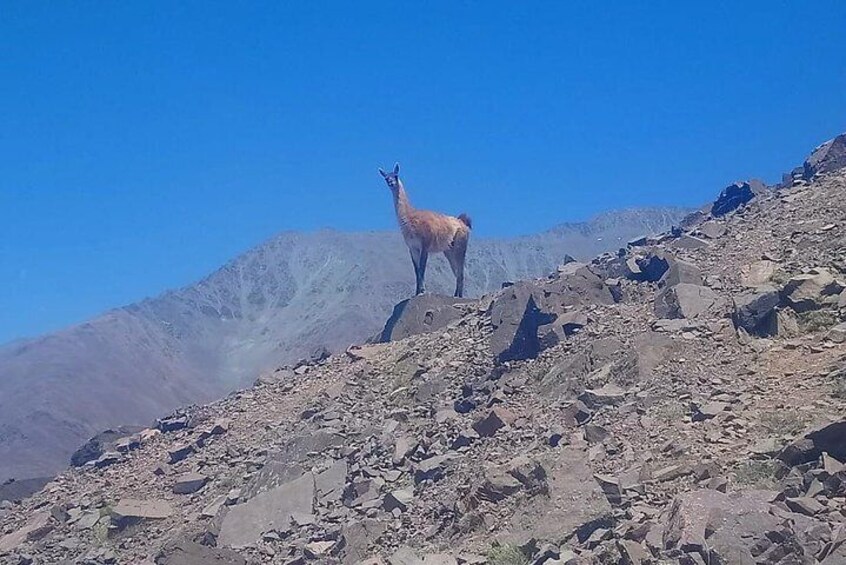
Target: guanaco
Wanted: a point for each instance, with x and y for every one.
(428, 232)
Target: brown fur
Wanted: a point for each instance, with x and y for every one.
(428, 232)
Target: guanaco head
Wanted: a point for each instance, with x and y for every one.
(391, 178)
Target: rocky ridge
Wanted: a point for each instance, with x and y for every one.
(296, 295)
(682, 401)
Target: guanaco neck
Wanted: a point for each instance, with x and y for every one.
(401, 204)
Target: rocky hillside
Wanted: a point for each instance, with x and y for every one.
(296, 294)
(680, 402)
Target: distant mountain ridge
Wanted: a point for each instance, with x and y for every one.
(272, 305)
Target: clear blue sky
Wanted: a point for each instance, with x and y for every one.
(142, 144)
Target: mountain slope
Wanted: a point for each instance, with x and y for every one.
(274, 304)
(681, 402)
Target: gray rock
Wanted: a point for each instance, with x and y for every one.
(553, 515)
(129, 511)
(405, 556)
(516, 317)
(172, 423)
(837, 334)
(189, 553)
(398, 499)
(709, 410)
(755, 311)
(103, 442)
(421, 314)
(611, 488)
(804, 505)
(608, 395)
(758, 274)
(731, 198)
(497, 485)
(686, 301)
(680, 272)
(244, 524)
(107, 459)
(828, 157)
(329, 484)
(811, 291)
(189, 483)
(431, 469)
(180, 452)
(712, 230)
(830, 439)
(496, 419)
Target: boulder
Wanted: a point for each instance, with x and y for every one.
(173, 423)
(649, 267)
(812, 291)
(496, 419)
(755, 311)
(732, 197)
(102, 443)
(421, 314)
(180, 452)
(680, 272)
(828, 157)
(740, 519)
(245, 523)
(686, 301)
(189, 483)
(329, 484)
(431, 469)
(516, 317)
(830, 439)
(758, 273)
(189, 553)
(711, 230)
(398, 499)
(837, 334)
(358, 537)
(575, 285)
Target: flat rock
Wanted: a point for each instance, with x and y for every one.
(686, 301)
(758, 274)
(572, 504)
(189, 483)
(244, 524)
(421, 314)
(130, 510)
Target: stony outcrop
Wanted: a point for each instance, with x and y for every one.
(828, 157)
(421, 314)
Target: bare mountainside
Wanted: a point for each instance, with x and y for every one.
(274, 304)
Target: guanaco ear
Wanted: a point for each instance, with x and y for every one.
(396, 168)
(383, 173)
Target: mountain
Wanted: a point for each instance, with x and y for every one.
(680, 402)
(275, 304)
